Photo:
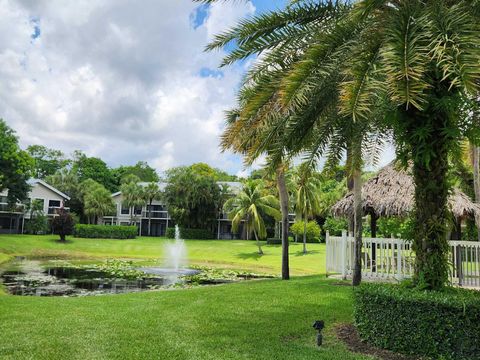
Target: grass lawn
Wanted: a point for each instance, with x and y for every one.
(262, 319)
(225, 253)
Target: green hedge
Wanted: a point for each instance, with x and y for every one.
(441, 325)
(273, 241)
(105, 231)
(198, 234)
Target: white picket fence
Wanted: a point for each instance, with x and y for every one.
(393, 259)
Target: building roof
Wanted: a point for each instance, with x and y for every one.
(234, 185)
(50, 187)
(391, 193)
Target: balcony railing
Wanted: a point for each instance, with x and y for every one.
(156, 214)
(4, 207)
(53, 210)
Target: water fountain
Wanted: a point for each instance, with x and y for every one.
(175, 261)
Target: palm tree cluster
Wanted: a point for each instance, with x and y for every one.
(340, 77)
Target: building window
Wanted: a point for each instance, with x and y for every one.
(138, 210)
(125, 210)
(54, 203)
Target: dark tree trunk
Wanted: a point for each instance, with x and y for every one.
(305, 234)
(351, 218)
(62, 237)
(430, 167)
(150, 217)
(260, 251)
(476, 177)
(357, 247)
(282, 190)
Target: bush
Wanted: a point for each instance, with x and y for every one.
(63, 224)
(105, 231)
(441, 325)
(37, 225)
(198, 234)
(313, 231)
(335, 226)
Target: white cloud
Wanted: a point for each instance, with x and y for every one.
(117, 80)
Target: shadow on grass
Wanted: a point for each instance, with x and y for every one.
(247, 256)
(309, 252)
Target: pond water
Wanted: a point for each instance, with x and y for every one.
(60, 278)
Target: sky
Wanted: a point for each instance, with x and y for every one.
(125, 81)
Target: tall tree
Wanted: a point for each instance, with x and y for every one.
(132, 197)
(98, 203)
(307, 202)
(46, 161)
(141, 169)
(151, 192)
(93, 168)
(419, 57)
(193, 199)
(250, 205)
(15, 166)
(66, 180)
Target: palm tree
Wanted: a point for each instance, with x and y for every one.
(419, 58)
(151, 192)
(98, 203)
(250, 205)
(132, 195)
(307, 197)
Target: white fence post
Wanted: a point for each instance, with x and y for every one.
(344, 254)
(327, 260)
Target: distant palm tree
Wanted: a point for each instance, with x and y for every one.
(132, 194)
(307, 199)
(250, 205)
(151, 192)
(98, 203)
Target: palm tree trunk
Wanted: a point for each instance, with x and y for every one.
(357, 247)
(305, 234)
(282, 190)
(476, 177)
(260, 251)
(150, 217)
(350, 181)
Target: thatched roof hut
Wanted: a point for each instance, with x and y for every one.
(391, 193)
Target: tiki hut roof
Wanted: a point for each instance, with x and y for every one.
(391, 193)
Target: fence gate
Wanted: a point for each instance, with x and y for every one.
(393, 259)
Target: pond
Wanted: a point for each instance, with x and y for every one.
(66, 278)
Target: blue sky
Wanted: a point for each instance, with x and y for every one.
(120, 81)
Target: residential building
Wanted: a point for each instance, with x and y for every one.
(12, 219)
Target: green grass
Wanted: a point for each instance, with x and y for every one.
(252, 320)
(261, 319)
(221, 253)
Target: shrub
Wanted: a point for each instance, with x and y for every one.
(37, 225)
(105, 231)
(441, 325)
(335, 226)
(198, 234)
(313, 231)
(63, 224)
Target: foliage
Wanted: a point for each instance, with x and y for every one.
(15, 166)
(250, 206)
(93, 168)
(209, 275)
(313, 230)
(46, 161)
(63, 224)
(120, 269)
(97, 201)
(67, 182)
(37, 225)
(185, 233)
(400, 228)
(441, 325)
(193, 200)
(335, 225)
(105, 231)
(141, 169)
(132, 196)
